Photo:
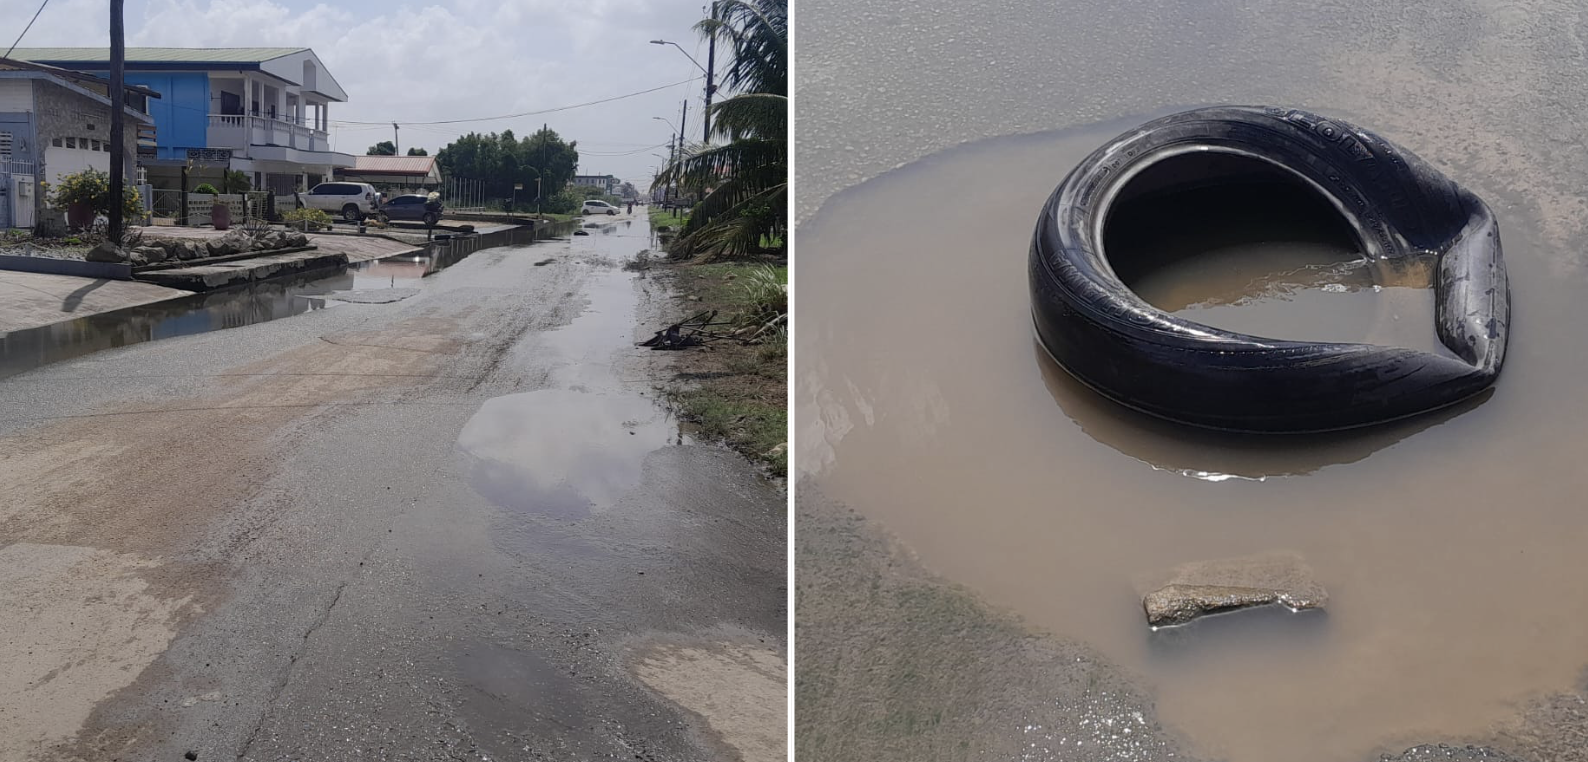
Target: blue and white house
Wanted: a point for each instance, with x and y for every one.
(262, 111)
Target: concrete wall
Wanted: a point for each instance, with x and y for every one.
(181, 113)
(62, 113)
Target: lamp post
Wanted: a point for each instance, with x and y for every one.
(672, 151)
(711, 87)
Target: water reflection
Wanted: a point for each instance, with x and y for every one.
(254, 302)
(562, 453)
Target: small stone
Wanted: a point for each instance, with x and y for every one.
(108, 252)
(190, 755)
(150, 253)
(1228, 584)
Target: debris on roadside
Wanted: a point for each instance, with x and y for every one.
(692, 332)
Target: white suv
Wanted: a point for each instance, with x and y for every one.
(351, 200)
(598, 207)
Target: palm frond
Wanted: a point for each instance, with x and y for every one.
(763, 115)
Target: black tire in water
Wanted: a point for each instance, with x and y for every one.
(1399, 208)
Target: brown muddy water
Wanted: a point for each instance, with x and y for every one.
(1450, 544)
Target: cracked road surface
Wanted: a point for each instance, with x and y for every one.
(454, 526)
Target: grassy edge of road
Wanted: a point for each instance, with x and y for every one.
(660, 217)
(734, 392)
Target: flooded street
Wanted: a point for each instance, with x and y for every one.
(1450, 544)
(457, 523)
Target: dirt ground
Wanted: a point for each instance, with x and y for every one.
(730, 390)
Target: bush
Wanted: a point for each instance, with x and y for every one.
(310, 219)
(92, 187)
(206, 188)
(762, 296)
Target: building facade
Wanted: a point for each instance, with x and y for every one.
(261, 111)
(56, 122)
(607, 183)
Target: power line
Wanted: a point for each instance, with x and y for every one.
(535, 113)
(625, 153)
(26, 28)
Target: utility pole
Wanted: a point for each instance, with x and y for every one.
(118, 96)
(669, 194)
(396, 148)
(541, 176)
(682, 120)
(711, 67)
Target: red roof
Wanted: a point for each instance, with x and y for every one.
(391, 165)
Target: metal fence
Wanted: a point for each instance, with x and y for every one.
(461, 194)
(166, 206)
(18, 193)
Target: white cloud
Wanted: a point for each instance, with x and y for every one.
(447, 59)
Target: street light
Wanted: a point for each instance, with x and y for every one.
(711, 87)
(685, 52)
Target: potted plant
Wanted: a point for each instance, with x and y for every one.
(220, 213)
(86, 194)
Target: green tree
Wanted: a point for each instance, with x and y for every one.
(383, 148)
(417, 152)
(500, 160)
(236, 181)
(743, 182)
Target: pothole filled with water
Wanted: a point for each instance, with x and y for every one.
(1450, 543)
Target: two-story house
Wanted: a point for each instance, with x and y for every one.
(606, 183)
(261, 111)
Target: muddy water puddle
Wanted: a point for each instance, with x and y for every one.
(1450, 544)
(575, 447)
(1268, 259)
(562, 453)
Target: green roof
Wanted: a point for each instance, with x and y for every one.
(155, 55)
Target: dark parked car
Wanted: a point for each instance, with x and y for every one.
(412, 207)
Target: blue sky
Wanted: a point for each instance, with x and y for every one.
(448, 59)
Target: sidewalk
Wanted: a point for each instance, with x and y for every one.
(30, 300)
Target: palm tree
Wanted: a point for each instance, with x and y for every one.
(744, 181)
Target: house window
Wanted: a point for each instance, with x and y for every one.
(95, 144)
(71, 142)
(56, 142)
(5, 146)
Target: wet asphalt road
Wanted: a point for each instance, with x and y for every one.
(453, 526)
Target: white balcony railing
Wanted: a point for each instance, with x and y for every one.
(239, 132)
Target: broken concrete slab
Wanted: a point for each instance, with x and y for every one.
(205, 276)
(1209, 587)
